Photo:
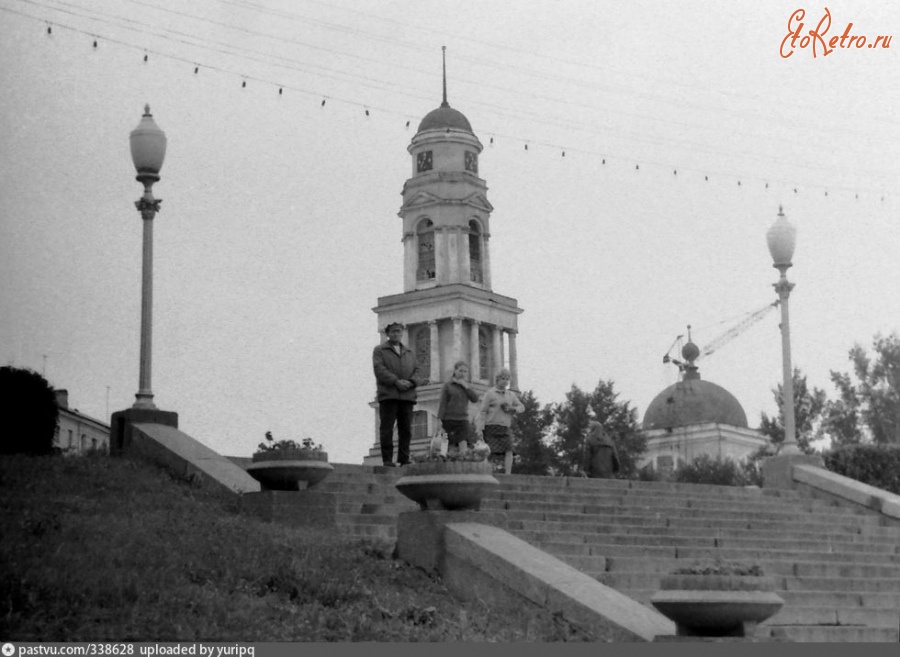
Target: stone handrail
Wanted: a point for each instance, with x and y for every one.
(845, 488)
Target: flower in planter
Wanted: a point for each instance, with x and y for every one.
(721, 567)
(717, 598)
(476, 454)
(272, 445)
(289, 465)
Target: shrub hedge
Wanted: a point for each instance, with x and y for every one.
(721, 472)
(875, 465)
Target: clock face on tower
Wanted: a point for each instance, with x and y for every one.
(424, 161)
(471, 162)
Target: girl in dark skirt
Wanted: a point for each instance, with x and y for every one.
(453, 409)
(497, 410)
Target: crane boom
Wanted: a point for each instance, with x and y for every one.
(737, 329)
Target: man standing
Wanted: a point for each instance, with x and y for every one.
(396, 375)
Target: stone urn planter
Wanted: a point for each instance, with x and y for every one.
(447, 485)
(286, 465)
(721, 602)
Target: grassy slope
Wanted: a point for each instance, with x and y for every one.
(96, 548)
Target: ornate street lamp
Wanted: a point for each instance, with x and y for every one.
(148, 150)
(782, 238)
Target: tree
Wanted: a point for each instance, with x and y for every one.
(29, 411)
(808, 408)
(533, 456)
(571, 419)
(841, 419)
(871, 408)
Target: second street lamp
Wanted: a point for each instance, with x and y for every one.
(782, 238)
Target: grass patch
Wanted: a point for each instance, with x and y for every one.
(106, 549)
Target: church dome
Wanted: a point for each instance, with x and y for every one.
(445, 117)
(693, 401)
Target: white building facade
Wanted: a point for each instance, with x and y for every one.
(77, 433)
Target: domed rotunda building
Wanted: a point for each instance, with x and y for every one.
(695, 417)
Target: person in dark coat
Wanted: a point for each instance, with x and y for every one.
(396, 377)
(601, 460)
(453, 408)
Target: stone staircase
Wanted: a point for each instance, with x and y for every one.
(837, 569)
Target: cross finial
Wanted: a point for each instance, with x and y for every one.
(444, 57)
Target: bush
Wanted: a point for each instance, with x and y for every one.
(29, 411)
(720, 472)
(875, 465)
(648, 473)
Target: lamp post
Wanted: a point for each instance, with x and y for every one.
(782, 238)
(148, 150)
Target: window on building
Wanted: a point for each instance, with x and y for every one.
(83, 445)
(71, 439)
(476, 270)
(425, 271)
(423, 351)
(420, 425)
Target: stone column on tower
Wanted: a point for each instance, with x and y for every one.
(457, 339)
(453, 253)
(474, 355)
(440, 255)
(465, 264)
(486, 260)
(498, 352)
(409, 261)
(435, 355)
(513, 360)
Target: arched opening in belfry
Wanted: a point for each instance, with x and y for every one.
(425, 270)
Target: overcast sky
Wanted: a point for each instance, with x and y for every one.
(661, 139)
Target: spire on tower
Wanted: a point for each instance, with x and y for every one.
(444, 57)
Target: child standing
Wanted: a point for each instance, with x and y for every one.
(453, 410)
(495, 418)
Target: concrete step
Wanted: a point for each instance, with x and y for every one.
(810, 567)
(831, 634)
(575, 484)
(650, 581)
(367, 519)
(595, 533)
(672, 539)
(800, 610)
(583, 522)
(849, 599)
(628, 499)
(623, 557)
(735, 516)
(526, 520)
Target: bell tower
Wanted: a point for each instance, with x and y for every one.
(448, 306)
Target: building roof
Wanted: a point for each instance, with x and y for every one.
(693, 401)
(445, 117)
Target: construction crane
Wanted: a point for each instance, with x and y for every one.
(723, 339)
